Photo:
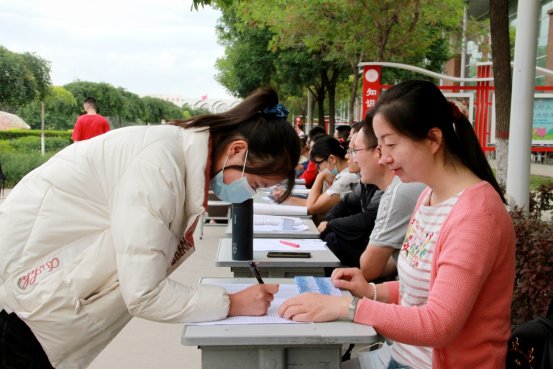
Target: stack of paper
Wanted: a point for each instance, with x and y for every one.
(273, 223)
(279, 209)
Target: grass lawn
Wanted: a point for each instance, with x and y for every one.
(535, 181)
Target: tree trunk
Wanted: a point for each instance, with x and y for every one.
(320, 97)
(501, 60)
(331, 89)
(354, 87)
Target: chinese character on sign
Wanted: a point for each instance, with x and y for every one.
(371, 92)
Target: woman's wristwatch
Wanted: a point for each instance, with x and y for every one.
(352, 308)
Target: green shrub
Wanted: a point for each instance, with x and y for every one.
(16, 165)
(6, 147)
(55, 144)
(26, 144)
(18, 133)
(29, 144)
(534, 256)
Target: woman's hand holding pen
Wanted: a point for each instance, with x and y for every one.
(253, 301)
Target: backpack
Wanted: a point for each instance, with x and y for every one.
(531, 344)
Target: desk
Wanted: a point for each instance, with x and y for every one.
(311, 232)
(276, 267)
(268, 346)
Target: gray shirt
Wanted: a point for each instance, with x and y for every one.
(395, 210)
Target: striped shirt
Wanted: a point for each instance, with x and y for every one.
(414, 265)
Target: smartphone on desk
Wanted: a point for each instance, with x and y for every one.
(288, 254)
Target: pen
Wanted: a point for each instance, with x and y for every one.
(288, 243)
(255, 271)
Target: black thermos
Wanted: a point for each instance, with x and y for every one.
(242, 230)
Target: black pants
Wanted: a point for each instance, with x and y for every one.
(19, 348)
(349, 252)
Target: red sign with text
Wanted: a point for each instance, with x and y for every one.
(371, 87)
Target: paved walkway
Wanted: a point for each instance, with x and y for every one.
(543, 170)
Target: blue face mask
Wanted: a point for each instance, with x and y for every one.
(334, 171)
(236, 192)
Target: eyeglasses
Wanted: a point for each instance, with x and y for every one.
(319, 162)
(353, 152)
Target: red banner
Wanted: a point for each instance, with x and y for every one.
(371, 87)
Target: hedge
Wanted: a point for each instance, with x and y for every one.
(20, 151)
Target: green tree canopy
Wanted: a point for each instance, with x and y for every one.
(156, 110)
(60, 110)
(24, 77)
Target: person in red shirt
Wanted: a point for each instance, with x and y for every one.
(310, 173)
(90, 124)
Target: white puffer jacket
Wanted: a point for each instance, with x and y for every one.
(88, 239)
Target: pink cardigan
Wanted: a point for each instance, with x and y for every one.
(467, 316)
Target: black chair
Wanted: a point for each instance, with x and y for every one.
(531, 344)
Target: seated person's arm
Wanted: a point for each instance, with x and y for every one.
(377, 261)
(318, 202)
(294, 200)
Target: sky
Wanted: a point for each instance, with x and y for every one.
(144, 46)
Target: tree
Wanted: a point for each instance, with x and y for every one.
(344, 33)
(340, 34)
(247, 63)
(61, 110)
(501, 60)
(109, 98)
(132, 110)
(23, 77)
(156, 110)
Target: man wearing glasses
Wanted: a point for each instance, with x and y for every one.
(394, 211)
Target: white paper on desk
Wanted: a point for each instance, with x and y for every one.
(275, 223)
(270, 228)
(279, 209)
(274, 244)
(285, 291)
(261, 219)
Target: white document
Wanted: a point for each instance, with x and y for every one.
(279, 209)
(272, 228)
(285, 291)
(275, 223)
(274, 219)
(287, 244)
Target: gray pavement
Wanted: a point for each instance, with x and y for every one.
(144, 344)
(544, 170)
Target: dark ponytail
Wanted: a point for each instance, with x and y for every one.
(413, 108)
(273, 144)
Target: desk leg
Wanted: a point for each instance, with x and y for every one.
(271, 357)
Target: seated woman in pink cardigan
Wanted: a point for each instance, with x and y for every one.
(450, 307)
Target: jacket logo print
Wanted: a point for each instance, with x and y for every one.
(30, 278)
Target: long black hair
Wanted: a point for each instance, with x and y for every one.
(413, 108)
(273, 144)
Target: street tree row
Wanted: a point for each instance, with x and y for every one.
(25, 81)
